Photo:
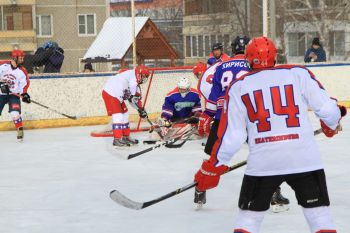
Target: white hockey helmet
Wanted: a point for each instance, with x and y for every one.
(184, 85)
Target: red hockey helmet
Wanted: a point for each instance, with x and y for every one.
(199, 68)
(261, 53)
(142, 74)
(17, 53)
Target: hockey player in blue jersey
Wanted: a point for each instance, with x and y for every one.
(224, 75)
(181, 103)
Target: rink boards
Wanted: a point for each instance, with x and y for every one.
(80, 95)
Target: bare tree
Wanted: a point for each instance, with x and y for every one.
(321, 15)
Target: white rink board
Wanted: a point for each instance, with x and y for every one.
(80, 94)
(58, 181)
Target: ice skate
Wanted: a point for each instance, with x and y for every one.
(20, 134)
(118, 143)
(199, 199)
(130, 141)
(278, 202)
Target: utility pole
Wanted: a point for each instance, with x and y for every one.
(133, 33)
(265, 20)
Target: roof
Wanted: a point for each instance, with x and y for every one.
(115, 39)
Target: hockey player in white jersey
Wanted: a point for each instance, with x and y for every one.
(14, 84)
(225, 73)
(121, 87)
(269, 106)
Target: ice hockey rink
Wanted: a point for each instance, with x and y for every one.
(58, 181)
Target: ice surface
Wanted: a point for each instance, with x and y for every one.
(58, 181)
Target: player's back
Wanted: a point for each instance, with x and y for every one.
(225, 73)
(275, 104)
(119, 83)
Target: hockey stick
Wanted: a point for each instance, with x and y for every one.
(168, 143)
(130, 156)
(44, 106)
(119, 198)
(185, 137)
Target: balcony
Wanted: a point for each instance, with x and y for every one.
(17, 2)
(23, 39)
(16, 25)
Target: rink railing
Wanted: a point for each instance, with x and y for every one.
(80, 94)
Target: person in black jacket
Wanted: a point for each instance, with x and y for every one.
(316, 53)
(38, 59)
(54, 63)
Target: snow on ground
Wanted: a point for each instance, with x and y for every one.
(58, 181)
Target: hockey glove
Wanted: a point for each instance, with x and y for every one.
(26, 98)
(204, 124)
(330, 132)
(343, 110)
(4, 88)
(209, 176)
(166, 123)
(142, 113)
(134, 99)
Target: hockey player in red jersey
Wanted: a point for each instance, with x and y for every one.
(269, 106)
(14, 83)
(217, 54)
(199, 69)
(121, 87)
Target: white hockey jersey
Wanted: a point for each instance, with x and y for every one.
(16, 79)
(270, 107)
(205, 83)
(122, 85)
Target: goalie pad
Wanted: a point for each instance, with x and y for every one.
(177, 130)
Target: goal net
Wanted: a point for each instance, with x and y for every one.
(160, 83)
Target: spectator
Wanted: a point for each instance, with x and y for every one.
(88, 68)
(31, 61)
(54, 63)
(316, 53)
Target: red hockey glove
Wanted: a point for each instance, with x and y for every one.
(204, 124)
(328, 131)
(209, 176)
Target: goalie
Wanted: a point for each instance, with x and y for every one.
(179, 106)
(121, 87)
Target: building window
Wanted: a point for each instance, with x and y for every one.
(200, 46)
(337, 43)
(44, 25)
(87, 25)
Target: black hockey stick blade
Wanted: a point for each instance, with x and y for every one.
(119, 198)
(131, 156)
(317, 132)
(172, 145)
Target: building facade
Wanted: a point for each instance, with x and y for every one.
(207, 22)
(27, 24)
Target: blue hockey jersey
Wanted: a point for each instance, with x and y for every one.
(224, 75)
(177, 107)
